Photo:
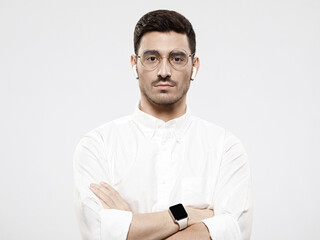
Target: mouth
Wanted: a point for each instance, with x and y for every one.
(163, 86)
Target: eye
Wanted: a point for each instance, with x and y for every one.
(151, 59)
(177, 59)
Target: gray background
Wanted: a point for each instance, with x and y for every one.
(64, 70)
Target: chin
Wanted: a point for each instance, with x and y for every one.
(165, 101)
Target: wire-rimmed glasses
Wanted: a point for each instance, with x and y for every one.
(178, 58)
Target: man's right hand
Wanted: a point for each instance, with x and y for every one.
(196, 215)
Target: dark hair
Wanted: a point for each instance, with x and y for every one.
(164, 21)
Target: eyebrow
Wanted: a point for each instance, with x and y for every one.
(155, 52)
(177, 53)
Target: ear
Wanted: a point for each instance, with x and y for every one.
(133, 60)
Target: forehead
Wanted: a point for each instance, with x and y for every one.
(164, 42)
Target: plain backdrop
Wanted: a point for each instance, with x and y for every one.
(64, 70)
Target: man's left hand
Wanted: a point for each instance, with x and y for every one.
(109, 197)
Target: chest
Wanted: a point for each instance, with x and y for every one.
(157, 174)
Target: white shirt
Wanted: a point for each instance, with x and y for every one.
(155, 164)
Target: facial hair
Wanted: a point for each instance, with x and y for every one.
(164, 97)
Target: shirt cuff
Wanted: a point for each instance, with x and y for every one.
(223, 227)
(115, 224)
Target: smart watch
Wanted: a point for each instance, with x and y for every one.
(179, 215)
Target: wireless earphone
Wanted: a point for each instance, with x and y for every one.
(194, 73)
(135, 72)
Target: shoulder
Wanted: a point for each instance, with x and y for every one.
(107, 131)
(201, 123)
(208, 129)
(214, 132)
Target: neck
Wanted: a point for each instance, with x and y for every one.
(163, 112)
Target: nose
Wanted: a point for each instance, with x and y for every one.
(164, 68)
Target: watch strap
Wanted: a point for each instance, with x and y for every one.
(183, 223)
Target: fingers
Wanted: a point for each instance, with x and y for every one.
(205, 213)
(108, 189)
(117, 199)
(210, 212)
(103, 195)
(109, 197)
(197, 215)
(120, 202)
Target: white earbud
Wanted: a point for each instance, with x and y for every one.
(194, 73)
(135, 72)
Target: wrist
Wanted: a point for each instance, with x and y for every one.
(170, 223)
(179, 215)
(191, 220)
(192, 213)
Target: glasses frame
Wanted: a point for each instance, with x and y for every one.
(161, 58)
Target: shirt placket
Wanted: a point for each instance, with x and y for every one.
(164, 177)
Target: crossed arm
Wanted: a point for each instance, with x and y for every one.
(157, 225)
(195, 231)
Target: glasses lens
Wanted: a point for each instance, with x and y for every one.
(178, 58)
(150, 59)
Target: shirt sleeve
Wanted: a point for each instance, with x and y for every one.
(232, 218)
(90, 165)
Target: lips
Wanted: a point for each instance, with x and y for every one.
(164, 85)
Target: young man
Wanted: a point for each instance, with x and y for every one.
(162, 173)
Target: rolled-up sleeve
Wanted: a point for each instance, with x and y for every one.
(90, 165)
(233, 197)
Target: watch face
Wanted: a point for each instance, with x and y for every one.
(178, 212)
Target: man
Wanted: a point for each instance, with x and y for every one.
(162, 173)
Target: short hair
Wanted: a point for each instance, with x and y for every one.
(164, 21)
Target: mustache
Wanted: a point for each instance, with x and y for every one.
(166, 79)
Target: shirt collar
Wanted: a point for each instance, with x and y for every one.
(148, 124)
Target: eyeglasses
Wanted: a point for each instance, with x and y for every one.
(178, 58)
